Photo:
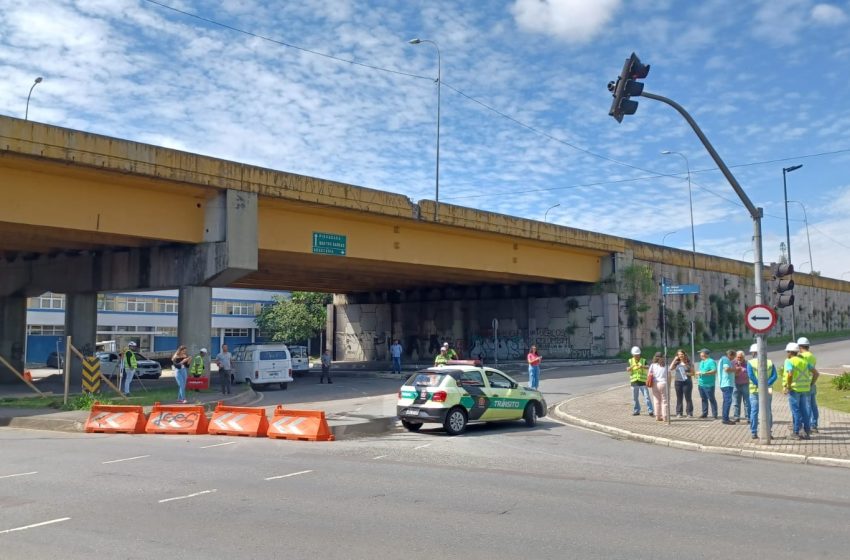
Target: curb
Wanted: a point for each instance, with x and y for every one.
(371, 427)
(50, 424)
(692, 446)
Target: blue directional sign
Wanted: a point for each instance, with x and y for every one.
(680, 289)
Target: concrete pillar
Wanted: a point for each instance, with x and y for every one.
(13, 334)
(194, 318)
(81, 326)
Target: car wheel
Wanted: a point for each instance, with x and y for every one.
(411, 426)
(283, 386)
(455, 422)
(530, 415)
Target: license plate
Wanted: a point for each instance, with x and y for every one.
(273, 373)
(412, 412)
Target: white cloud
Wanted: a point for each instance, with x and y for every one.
(828, 14)
(574, 21)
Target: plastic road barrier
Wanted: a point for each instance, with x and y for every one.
(177, 419)
(305, 425)
(116, 419)
(238, 421)
(197, 383)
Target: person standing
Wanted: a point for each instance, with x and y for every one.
(222, 360)
(326, 367)
(727, 383)
(198, 366)
(131, 365)
(442, 358)
(753, 378)
(684, 382)
(181, 360)
(804, 345)
(742, 384)
(658, 371)
(706, 383)
(533, 367)
(396, 351)
(637, 370)
(450, 352)
(797, 384)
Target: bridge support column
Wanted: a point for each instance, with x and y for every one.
(81, 326)
(13, 334)
(194, 318)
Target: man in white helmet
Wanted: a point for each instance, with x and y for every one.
(131, 365)
(797, 384)
(804, 344)
(753, 374)
(637, 370)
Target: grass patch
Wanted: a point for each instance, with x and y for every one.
(78, 401)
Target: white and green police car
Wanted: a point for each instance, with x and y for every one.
(458, 393)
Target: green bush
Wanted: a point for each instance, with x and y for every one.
(84, 402)
(842, 382)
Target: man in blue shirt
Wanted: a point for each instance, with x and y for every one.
(727, 383)
(707, 381)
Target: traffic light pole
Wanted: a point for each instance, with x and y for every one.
(756, 214)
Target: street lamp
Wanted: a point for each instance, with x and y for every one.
(664, 238)
(744, 254)
(35, 83)
(785, 171)
(808, 239)
(690, 202)
(418, 41)
(547, 211)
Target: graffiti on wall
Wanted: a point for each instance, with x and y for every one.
(512, 346)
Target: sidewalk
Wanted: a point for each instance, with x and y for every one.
(610, 412)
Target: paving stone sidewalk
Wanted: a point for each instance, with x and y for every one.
(613, 409)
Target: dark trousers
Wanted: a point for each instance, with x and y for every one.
(727, 402)
(224, 378)
(706, 394)
(326, 371)
(685, 389)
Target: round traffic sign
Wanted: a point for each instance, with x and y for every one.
(760, 318)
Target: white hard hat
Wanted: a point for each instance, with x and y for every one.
(203, 350)
(803, 341)
(131, 343)
(635, 350)
(754, 348)
(792, 347)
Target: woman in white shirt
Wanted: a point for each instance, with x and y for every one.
(658, 371)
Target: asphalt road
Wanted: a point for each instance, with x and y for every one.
(499, 491)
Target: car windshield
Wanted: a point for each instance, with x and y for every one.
(273, 355)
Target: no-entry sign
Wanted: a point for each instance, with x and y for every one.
(760, 318)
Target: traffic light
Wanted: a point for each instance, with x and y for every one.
(626, 86)
(785, 284)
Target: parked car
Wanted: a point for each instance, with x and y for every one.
(55, 360)
(300, 360)
(110, 363)
(262, 364)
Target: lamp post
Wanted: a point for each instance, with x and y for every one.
(35, 83)
(744, 254)
(808, 239)
(418, 41)
(664, 238)
(785, 171)
(547, 211)
(690, 203)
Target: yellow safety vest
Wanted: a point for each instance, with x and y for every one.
(754, 363)
(197, 368)
(130, 359)
(441, 360)
(801, 374)
(637, 370)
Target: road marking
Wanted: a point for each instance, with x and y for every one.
(217, 444)
(127, 459)
(378, 457)
(202, 492)
(19, 474)
(287, 475)
(422, 446)
(42, 524)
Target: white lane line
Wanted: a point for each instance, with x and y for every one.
(127, 459)
(34, 525)
(217, 444)
(18, 474)
(422, 446)
(287, 475)
(202, 492)
(378, 457)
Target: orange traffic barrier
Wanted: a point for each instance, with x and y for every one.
(116, 419)
(238, 421)
(177, 419)
(28, 375)
(306, 425)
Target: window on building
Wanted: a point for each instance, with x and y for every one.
(44, 330)
(239, 308)
(237, 332)
(47, 300)
(166, 305)
(139, 305)
(219, 307)
(166, 331)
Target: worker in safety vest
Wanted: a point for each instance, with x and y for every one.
(450, 352)
(198, 366)
(131, 364)
(637, 370)
(753, 374)
(442, 358)
(804, 344)
(797, 384)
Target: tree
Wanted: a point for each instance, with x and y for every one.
(295, 319)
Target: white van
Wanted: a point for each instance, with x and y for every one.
(300, 360)
(262, 364)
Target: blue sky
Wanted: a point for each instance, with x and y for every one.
(524, 103)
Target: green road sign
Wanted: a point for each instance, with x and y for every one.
(329, 244)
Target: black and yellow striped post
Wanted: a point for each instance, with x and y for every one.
(91, 374)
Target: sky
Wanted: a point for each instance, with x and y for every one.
(333, 89)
